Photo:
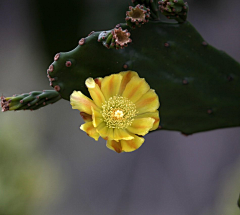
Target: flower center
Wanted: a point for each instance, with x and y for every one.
(118, 112)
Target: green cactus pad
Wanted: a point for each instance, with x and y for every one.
(198, 85)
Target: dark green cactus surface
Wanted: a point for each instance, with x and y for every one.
(198, 85)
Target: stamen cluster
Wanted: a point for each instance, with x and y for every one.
(118, 112)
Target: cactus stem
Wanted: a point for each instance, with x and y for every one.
(68, 63)
(82, 41)
(56, 57)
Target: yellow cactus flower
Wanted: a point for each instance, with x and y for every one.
(123, 108)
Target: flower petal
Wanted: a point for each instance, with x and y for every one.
(131, 145)
(126, 78)
(114, 145)
(154, 115)
(105, 132)
(90, 130)
(95, 92)
(81, 102)
(122, 134)
(141, 126)
(149, 102)
(110, 85)
(86, 117)
(135, 88)
(96, 117)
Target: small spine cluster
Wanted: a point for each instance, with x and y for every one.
(116, 38)
(29, 101)
(137, 16)
(174, 9)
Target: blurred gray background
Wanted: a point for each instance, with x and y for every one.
(169, 175)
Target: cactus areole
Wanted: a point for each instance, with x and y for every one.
(198, 86)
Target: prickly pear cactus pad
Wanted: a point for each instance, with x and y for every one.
(198, 86)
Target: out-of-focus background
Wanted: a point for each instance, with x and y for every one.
(49, 166)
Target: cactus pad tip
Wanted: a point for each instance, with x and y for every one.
(5, 104)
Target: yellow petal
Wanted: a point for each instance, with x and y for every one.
(135, 88)
(86, 117)
(105, 132)
(90, 130)
(114, 145)
(96, 117)
(154, 115)
(126, 78)
(149, 102)
(81, 102)
(141, 126)
(122, 134)
(95, 92)
(131, 145)
(110, 85)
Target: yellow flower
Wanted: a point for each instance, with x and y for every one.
(123, 108)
